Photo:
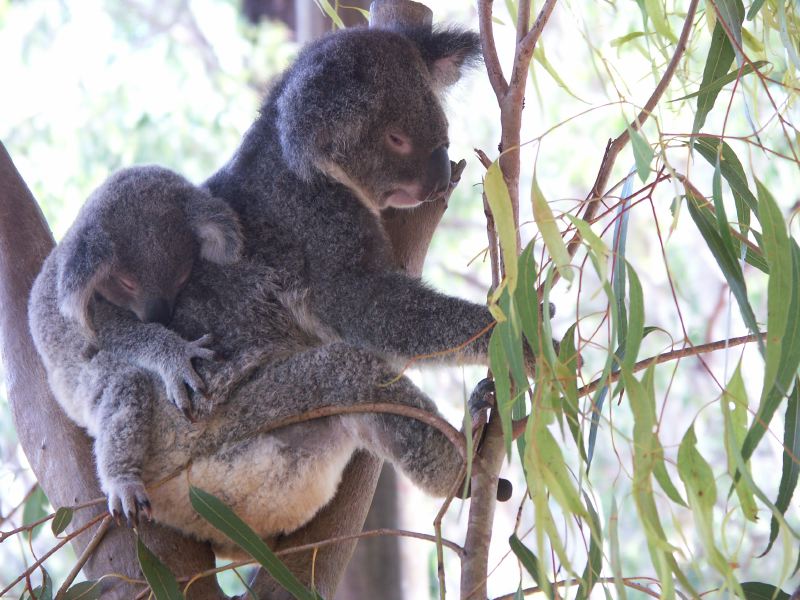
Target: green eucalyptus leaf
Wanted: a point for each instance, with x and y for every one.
(213, 510)
(160, 579)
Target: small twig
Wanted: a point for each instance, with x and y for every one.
(627, 582)
(87, 552)
(518, 427)
(316, 545)
(10, 514)
(450, 432)
(50, 552)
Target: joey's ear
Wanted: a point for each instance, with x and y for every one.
(217, 228)
(447, 52)
(85, 257)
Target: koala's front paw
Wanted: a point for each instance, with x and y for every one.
(179, 374)
(128, 498)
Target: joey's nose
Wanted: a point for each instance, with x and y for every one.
(439, 170)
(157, 310)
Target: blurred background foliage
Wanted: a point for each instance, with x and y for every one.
(91, 86)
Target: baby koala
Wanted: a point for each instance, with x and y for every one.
(99, 308)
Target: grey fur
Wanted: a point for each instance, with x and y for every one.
(146, 224)
(316, 313)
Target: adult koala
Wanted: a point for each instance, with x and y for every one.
(315, 311)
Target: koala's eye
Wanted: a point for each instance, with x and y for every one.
(127, 283)
(398, 142)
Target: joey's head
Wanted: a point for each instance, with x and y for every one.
(135, 241)
(362, 106)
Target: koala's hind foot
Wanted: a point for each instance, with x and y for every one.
(128, 498)
(481, 400)
(179, 376)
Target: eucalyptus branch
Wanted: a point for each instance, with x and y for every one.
(85, 555)
(490, 59)
(61, 543)
(303, 548)
(626, 581)
(615, 147)
(518, 426)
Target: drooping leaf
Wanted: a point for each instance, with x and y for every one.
(728, 263)
(753, 590)
(326, 7)
(791, 455)
(85, 590)
(160, 579)
(753, 11)
(621, 41)
(647, 452)
(732, 13)
(502, 382)
(34, 510)
(594, 564)
(721, 82)
(61, 520)
(550, 233)
(567, 375)
(544, 454)
(783, 326)
(718, 62)
(527, 558)
(540, 57)
(615, 560)
(642, 153)
(734, 413)
(500, 204)
(213, 510)
(655, 10)
(44, 591)
(701, 492)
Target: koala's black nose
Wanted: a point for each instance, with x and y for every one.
(439, 171)
(157, 310)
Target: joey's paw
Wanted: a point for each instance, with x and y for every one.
(180, 377)
(127, 498)
(482, 397)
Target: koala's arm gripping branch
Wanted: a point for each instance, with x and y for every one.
(400, 316)
(59, 453)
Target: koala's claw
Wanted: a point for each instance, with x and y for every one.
(129, 499)
(183, 377)
(482, 397)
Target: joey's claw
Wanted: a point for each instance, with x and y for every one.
(482, 397)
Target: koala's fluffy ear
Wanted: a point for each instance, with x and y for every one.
(447, 52)
(217, 228)
(84, 258)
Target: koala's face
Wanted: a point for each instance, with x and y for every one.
(362, 106)
(151, 266)
(135, 241)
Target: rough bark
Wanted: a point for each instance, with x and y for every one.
(57, 450)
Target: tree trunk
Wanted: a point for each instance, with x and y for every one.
(57, 450)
